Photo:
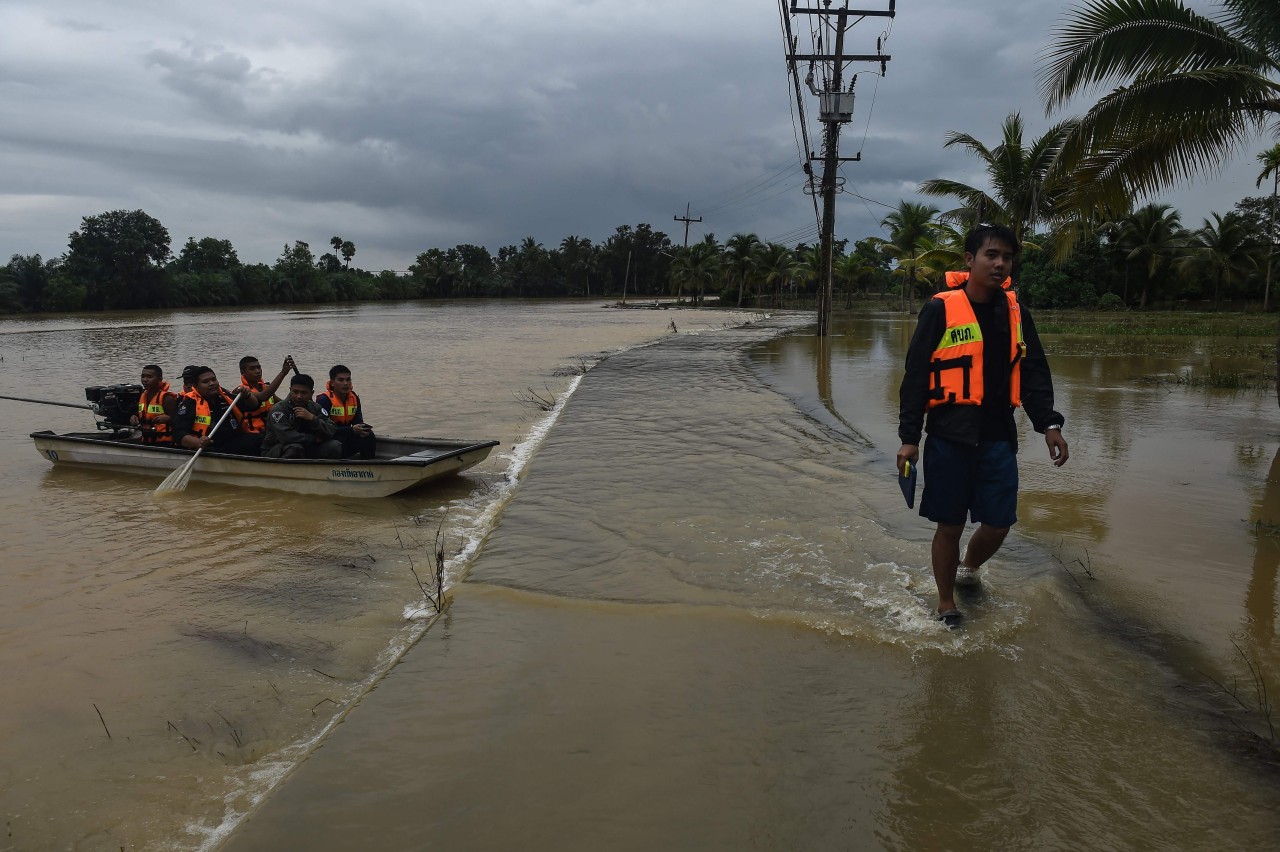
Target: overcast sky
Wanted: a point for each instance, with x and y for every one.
(404, 126)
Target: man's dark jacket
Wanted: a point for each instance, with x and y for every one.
(285, 428)
(963, 423)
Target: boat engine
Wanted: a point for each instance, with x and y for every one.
(115, 404)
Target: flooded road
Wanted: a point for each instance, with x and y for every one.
(704, 622)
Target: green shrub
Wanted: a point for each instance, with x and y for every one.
(1110, 302)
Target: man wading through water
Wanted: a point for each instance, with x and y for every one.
(974, 358)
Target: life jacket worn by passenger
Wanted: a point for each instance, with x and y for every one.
(204, 413)
(955, 368)
(151, 406)
(341, 411)
(256, 421)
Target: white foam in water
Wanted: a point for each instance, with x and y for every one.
(268, 774)
(896, 605)
(475, 531)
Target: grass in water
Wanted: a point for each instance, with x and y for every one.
(1215, 378)
(1156, 324)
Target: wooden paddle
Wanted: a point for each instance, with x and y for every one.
(177, 481)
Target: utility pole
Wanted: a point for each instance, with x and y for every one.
(685, 218)
(835, 109)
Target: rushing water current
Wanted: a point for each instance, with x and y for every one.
(688, 608)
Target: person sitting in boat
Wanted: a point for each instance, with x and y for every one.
(297, 427)
(255, 422)
(200, 410)
(156, 408)
(343, 407)
(189, 379)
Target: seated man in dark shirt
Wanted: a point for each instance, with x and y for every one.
(200, 410)
(298, 428)
(342, 405)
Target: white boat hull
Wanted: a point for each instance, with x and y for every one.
(402, 464)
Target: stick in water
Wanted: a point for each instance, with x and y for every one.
(177, 481)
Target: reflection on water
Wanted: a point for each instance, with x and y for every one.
(1260, 609)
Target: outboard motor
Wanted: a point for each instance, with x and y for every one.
(115, 404)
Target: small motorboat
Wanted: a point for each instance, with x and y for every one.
(401, 463)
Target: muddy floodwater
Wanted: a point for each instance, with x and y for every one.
(688, 608)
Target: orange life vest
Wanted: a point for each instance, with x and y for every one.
(151, 407)
(341, 411)
(204, 413)
(955, 368)
(256, 421)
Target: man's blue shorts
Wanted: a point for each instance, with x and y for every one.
(961, 479)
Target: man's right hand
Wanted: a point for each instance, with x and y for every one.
(303, 414)
(908, 453)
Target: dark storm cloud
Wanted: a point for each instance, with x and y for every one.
(404, 127)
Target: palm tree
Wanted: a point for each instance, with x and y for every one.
(909, 226)
(683, 263)
(777, 264)
(575, 253)
(849, 270)
(741, 249)
(696, 264)
(1152, 236)
(942, 251)
(706, 270)
(1223, 248)
(1024, 181)
(1270, 160)
(1191, 90)
(810, 266)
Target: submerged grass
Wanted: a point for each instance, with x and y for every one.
(1216, 378)
(1163, 324)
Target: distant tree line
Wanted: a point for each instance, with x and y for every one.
(122, 260)
(1140, 259)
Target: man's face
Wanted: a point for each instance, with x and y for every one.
(253, 372)
(342, 383)
(150, 380)
(207, 385)
(992, 264)
(299, 395)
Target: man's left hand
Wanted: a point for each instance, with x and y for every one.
(1057, 446)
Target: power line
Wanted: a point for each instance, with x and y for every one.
(795, 232)
(773, 170)
(797, 105)
(762, 185)
(794, 238)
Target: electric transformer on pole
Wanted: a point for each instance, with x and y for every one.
(835, 107)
